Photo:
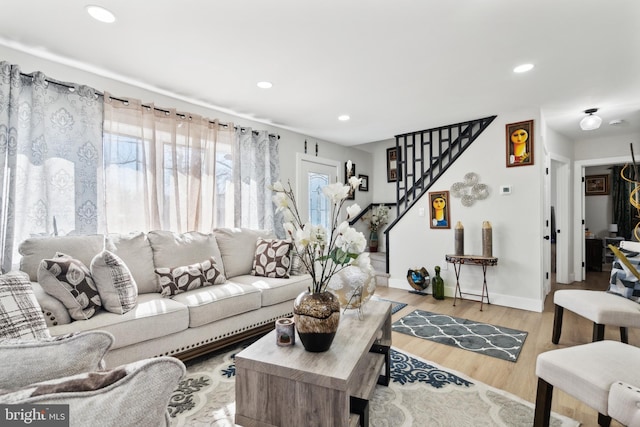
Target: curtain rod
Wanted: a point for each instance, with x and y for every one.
(98, 93)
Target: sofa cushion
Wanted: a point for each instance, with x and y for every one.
(70, 281)
(20, 313)
(55, 357)
(173, 249)
(185, 278)
(116, 286)
(35, 249)
(276, 290)
(238, 248)
(272, 258)
(135, 250)
(213, 303)
(151, 318)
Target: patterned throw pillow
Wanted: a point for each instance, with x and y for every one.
(182, 279)
(69, 280)
(625, 278)
(116, 286)
(272, 258)
(20, 313)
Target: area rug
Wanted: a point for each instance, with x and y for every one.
(395, 306)
(420, 393)
(497, 341)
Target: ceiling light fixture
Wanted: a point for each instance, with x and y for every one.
(523, 68)
(343, 118)
(265, 85)
(101, 14)
(591, 121)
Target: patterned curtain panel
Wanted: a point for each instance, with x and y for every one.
(50, 137)
(256, 167)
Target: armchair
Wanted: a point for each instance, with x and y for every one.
(67, 370)
(616, 307)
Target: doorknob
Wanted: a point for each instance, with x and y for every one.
(546, 237)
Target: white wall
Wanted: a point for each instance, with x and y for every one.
(290, 142)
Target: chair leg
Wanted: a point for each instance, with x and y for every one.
(557, 324)
(604, 420)
(598, 332)
(624, 335)
(543, 404)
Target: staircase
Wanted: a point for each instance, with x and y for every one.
(423, 156)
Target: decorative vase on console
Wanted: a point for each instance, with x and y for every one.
(324, 253)
(377, 217)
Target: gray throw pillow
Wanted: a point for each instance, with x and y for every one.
(70, 281)
(117, 288)
(20, 313)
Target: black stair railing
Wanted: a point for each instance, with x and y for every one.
(423, 156)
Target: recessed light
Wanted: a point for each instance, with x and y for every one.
(523, 68)
(265, 85)
(615, 122)
(344, 118)
(101, 14)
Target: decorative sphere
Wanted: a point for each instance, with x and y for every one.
(353, 285)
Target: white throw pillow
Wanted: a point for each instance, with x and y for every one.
(116, 286)
(238, 248)
(134, 249)
(171, 249)
(20, 313)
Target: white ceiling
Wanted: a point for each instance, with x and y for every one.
(393, 66)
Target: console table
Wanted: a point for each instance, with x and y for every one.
(484, 262)
(288, 386)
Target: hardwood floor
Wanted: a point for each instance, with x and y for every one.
(518, 378)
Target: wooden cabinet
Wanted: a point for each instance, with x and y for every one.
(593, 254)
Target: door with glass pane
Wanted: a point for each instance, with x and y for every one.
(313, 174)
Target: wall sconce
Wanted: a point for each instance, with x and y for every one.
(591, 121)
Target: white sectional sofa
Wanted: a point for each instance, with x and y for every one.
(184, 325)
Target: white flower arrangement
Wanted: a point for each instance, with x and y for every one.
(323, 252)
(377, 217)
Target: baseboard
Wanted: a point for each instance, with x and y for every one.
(497, 299)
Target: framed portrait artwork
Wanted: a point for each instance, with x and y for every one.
(352, 192)
(439, 208)
(519, 139)
(393, 165)
(596, 185)
(364, 182)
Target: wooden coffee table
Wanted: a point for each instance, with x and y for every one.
(288, 386)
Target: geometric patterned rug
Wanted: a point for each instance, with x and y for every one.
(420, 393)
(497, 341)
(395, 306)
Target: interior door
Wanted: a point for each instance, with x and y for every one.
(313, 173)
(546, 226)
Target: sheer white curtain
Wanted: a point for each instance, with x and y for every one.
(182, 172)
(160, 168)
(50, 136)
